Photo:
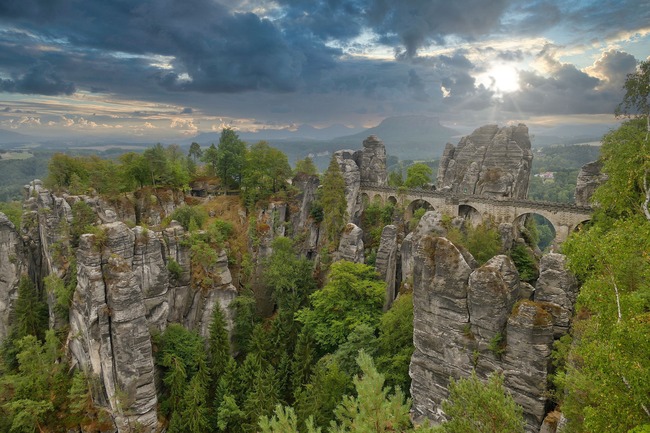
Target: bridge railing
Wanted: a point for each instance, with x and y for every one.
(468, 198)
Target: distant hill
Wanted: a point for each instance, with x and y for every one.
(11, 137)
(407, 137)
(570, 134)
(300, 133)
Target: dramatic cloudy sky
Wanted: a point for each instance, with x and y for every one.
(172, 68)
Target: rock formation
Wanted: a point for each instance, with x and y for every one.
(490, 161)
(352, 176)
(109, 335)
(373, 161)
(386, 262)
(125, 289)
(302, 224)
(590, 177)
(367, 165)
(12, 265)
(468, 318)
(351, 244)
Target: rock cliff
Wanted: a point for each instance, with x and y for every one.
(476, 318)
(124, 289)
(386, 263)
(490, 161)
(124, 292)
(373, 161)
(351, 244)
(589, 179)
(12, 265)
(367, 165)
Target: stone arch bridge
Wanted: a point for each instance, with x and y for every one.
(564, 217)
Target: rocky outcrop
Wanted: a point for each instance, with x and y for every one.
(125, 290)
(481, 319)
(351, 244)
(386, 262)
(303, 225)
(527, 358)
(367, 165)
(491, 161)
(558, 288)
(347, 160)
(589, 179)
(493, 290)
(109, 334)
(429, 224)
(373, 161)
(12, 266)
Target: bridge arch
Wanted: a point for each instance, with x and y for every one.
(470, 214)
(546, 231)
(415, 205)
(365, 200)
(378, 199)
(392, 200)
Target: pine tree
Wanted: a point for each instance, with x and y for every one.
(304, 358)
(333, 201)
(174, 379)
(194, 408)
(31, 312)
(262, 398)
(218, 348)
(372, 409)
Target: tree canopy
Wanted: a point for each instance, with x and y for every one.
(352, 296)
(418, 175)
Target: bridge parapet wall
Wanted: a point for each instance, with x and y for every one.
(565, 217)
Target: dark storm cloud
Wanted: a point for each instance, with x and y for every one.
(568, 90)
(417, 86)
(604, 18)
(171, 50)
(219, 50)
(413, 24)
(38, 80)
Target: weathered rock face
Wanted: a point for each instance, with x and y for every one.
(430, 224)
(491, 161)
(124, 291)
(12, 265)
(476, 319)
(351, 244)
(109, 335)
(373, 161)
(303, 225)
(386, 262)
(559, 288)
(367, 165)
(493, 290)
(352, 176)
(590, 177)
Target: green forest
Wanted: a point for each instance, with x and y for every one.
(328, 358)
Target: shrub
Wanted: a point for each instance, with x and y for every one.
(175, 270)
(525, 263)
(190, 216)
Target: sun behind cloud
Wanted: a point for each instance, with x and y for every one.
(501, 78)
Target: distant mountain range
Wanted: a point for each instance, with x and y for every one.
(407, 137)
(11, 137)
